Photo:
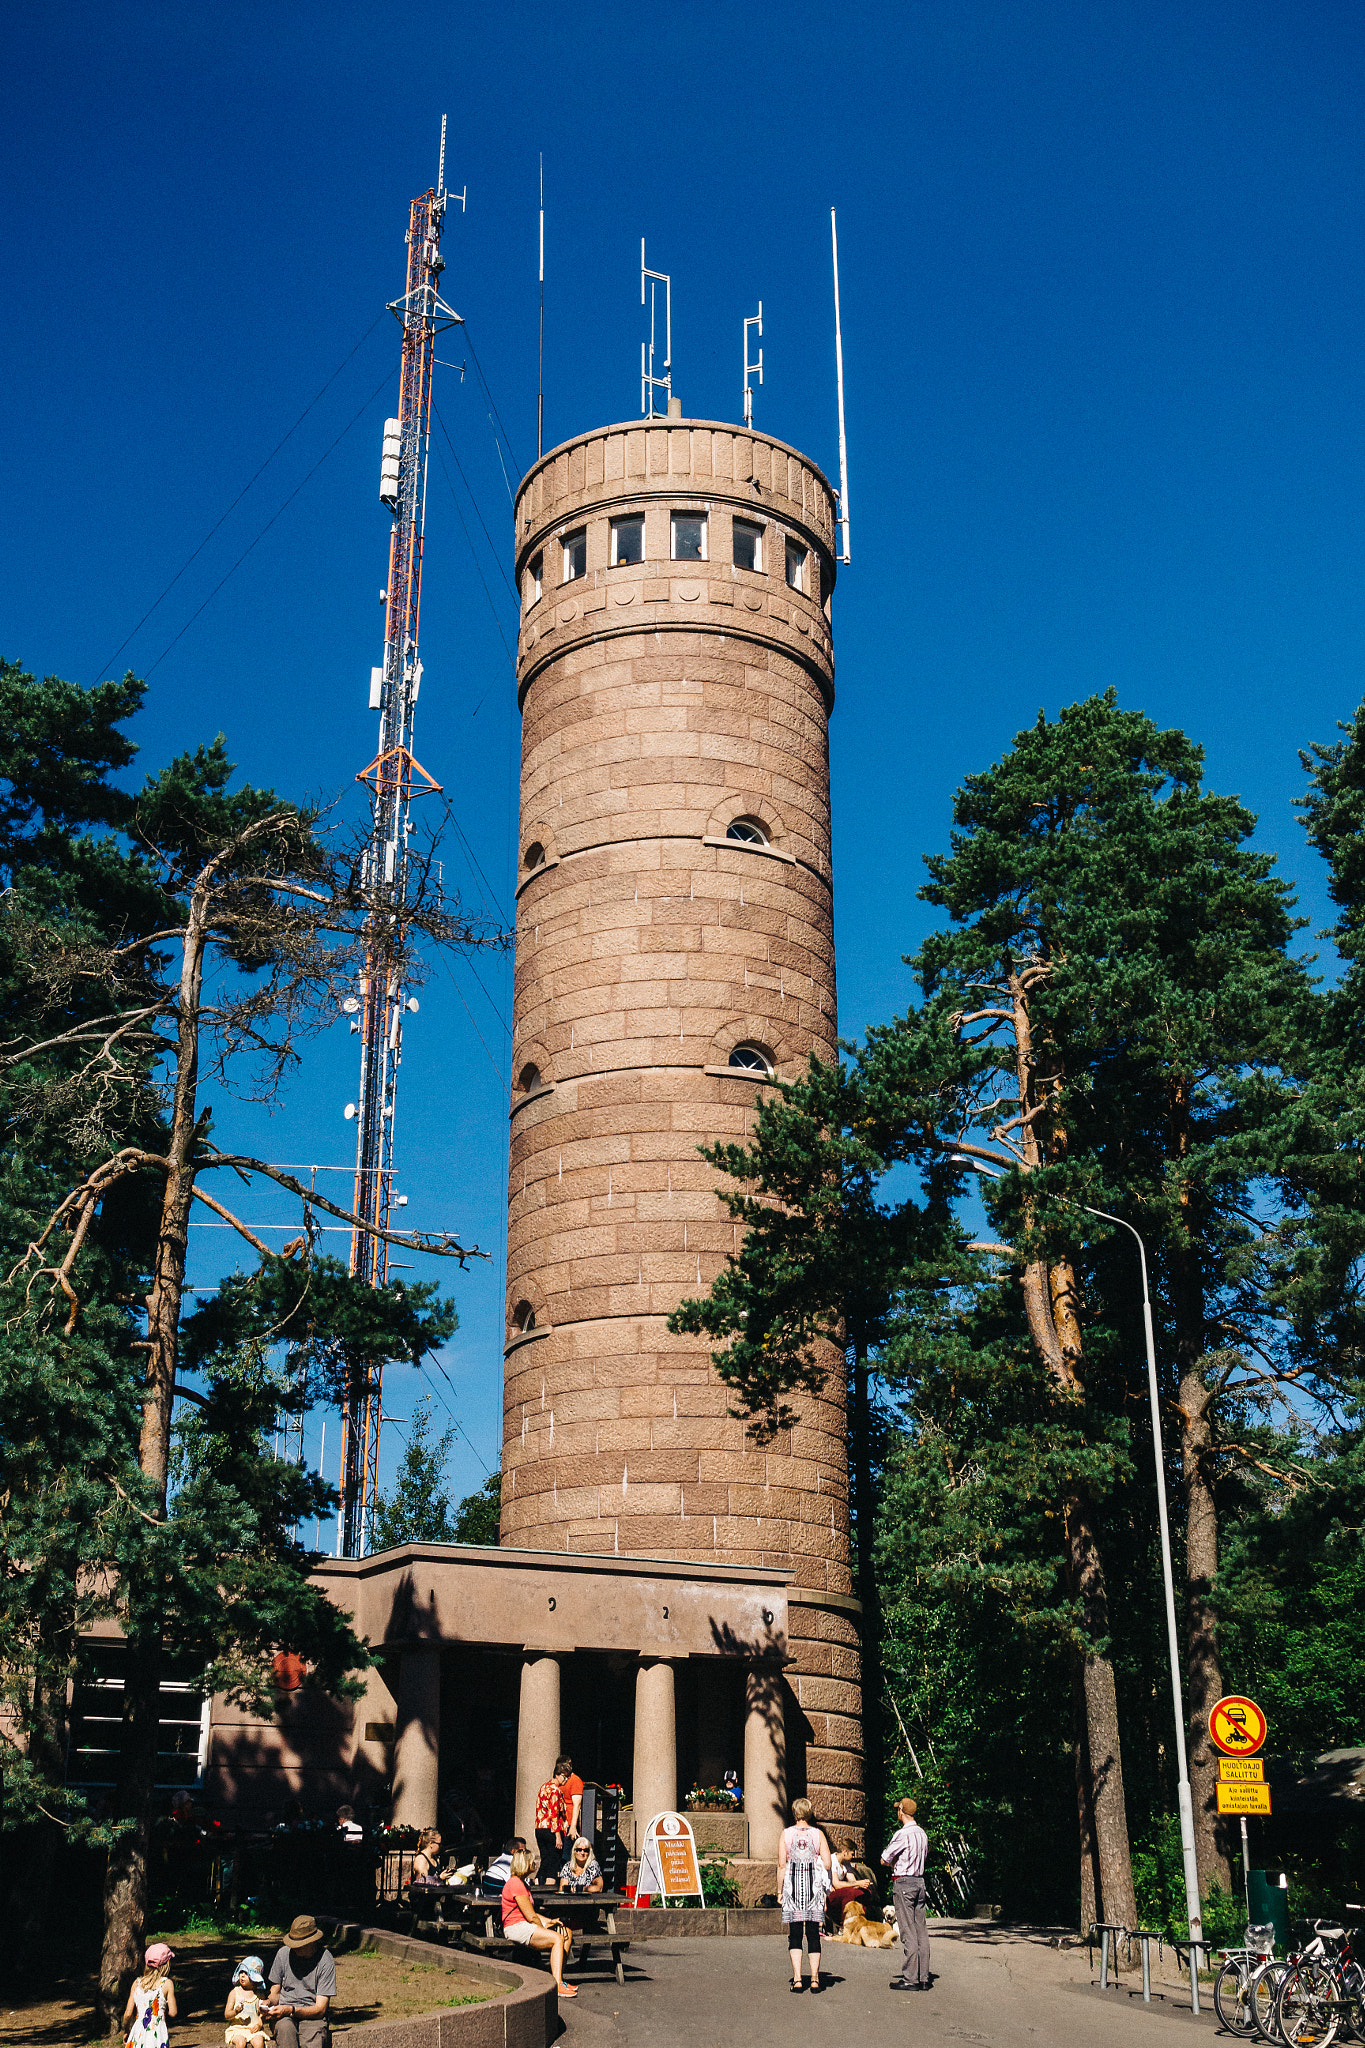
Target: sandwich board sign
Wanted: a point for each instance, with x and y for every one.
(668, 1861)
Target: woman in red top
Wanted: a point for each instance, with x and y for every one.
(521, 1923)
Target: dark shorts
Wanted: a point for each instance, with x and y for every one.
(792, 1931)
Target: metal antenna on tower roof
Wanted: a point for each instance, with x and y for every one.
(441, 172)
(649, 383)
(752, 369)
(839, 373)
(540, 388)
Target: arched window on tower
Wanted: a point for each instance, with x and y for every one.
(751, 1059)
(748, 831)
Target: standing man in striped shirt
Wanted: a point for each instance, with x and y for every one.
(906, 1855)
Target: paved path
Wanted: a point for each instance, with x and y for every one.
(994, 1988)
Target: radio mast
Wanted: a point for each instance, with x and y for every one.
(394, 778)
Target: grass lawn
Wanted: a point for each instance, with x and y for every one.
(370, 1986)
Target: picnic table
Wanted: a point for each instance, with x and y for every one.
(474, 1920)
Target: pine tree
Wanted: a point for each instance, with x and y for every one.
(419, 1509)
(245, 926)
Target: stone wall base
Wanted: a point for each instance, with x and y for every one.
(522, 2013)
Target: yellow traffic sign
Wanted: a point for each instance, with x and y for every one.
(1243, 1798)
(1241, 1770)
(1236, 1725)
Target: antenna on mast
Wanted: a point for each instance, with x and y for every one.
(540, 389)
(441, 173)
(752, 369)
(839, 374)
(649, 383)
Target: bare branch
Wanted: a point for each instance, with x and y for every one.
(415, 1240)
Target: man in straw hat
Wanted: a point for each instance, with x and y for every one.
(303, 1983)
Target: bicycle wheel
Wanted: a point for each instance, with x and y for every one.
(1230, 1999)
(1308, 2005)
(1353, 2008)
(1262, 1986)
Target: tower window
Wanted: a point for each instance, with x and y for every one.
(523, 1319)
(689, 536)
(796, 565)
(534, 855)
(747, 830)
(748, 545)
(575, 555)
(534, 572)
(627, 541)
(528, 1078)
(751, 1059)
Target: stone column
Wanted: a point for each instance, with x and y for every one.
(765, 1761)
(417, 1751)
(537, 1735)
(655, 1786)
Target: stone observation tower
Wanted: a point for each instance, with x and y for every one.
(674, 951)
(669, 1600)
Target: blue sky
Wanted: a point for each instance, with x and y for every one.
(1103, 292)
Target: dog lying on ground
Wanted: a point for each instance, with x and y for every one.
(859, 1931)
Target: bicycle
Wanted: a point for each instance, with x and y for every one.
(1231, 1987)
(1322, 1991)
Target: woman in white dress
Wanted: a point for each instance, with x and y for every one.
(803, 1870)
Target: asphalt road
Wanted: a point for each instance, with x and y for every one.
(993, 1988)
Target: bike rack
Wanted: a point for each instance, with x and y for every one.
(1108, 1931)
(1193, 1950)
(1146, 1935)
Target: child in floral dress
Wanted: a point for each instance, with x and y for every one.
(151, 2002)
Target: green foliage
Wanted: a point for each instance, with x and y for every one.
(718, 1888)
(1291, 1597)
(419, 1509)
(478, 1517)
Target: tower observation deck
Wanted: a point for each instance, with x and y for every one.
(674, 952)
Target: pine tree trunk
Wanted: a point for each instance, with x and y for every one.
(125, 1883)
(1052, 1302)
(874, 1766)
(1085, 1801)
(126, 1898)
(1113, 1860)
(1204, 1675)
(1204, 1666)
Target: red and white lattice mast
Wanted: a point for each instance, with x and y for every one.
(394, 777)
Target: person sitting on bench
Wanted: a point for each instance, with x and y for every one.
(524, 1925)
(582, 1872)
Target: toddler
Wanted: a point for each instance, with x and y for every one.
(244, 2009)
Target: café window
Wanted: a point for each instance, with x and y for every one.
(627, 541)
(689, 536)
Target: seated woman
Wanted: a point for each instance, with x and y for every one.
(426, 1864)
(852, 1880)
(582, 1872)
(523, 1924)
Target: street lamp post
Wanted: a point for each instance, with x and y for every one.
(1192, 1906)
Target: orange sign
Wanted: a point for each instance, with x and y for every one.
(669, 1864)
(1236, 1726)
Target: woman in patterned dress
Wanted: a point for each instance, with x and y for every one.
(803, 1871)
